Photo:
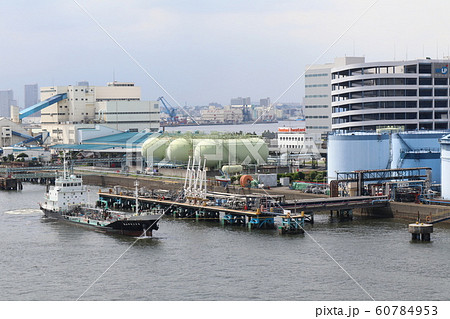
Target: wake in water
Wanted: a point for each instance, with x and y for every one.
(25, 211)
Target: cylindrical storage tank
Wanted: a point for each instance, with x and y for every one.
(232, 169)
(154, 148)
(179, 150)
(357, 151)
(212, 150)
(445, 167)
(418, 149)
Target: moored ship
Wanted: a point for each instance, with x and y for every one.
(67, 200)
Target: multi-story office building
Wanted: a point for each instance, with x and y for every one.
(406, 94)
(317, 101)
(6, 100)
(117, 105)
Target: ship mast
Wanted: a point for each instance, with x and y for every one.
(136, 193)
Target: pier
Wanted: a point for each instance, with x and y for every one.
(255, 211)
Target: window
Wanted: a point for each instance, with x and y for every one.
(440, 92)
(425, 103)
(425, 68)
(424, 81)
(425, 92)
(440, 81)
(440, 103)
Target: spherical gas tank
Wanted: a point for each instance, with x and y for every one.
(154, 148)
(248, 151)
(211, 150)
(179, 150)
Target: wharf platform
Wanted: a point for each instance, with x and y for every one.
(293, 215)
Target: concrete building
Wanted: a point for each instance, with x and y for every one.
(408, 94)
(117, 105)
(317, 101)
(6, 101)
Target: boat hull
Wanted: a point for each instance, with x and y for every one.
(133, 226)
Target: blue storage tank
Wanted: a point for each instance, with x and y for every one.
(445, 167)
(418, 149)
(357, 151)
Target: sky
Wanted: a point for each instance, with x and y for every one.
(208, 50)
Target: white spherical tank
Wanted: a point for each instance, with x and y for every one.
(357, 151)
(418, 149)
(445, 167)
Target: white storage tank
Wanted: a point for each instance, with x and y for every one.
(357, 151)
(418, 149)
(445, 167)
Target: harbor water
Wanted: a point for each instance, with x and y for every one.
(188, 260)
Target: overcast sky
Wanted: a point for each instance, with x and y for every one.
(208, 50)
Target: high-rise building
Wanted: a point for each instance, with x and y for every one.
(264, 102)
(6, 100)
(317, 101)
(409, 95)
(31, 94)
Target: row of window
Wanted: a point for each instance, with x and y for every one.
(317, 127)
(315, 75)
(315, 96)
(391, 116)
(316, 106)
(317, 117)
(391, 105)
(315, 85)
(291, 138)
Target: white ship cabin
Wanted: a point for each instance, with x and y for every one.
(68, 192)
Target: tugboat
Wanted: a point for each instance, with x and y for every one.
(68, 201)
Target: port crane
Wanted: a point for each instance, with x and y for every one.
(170, 111)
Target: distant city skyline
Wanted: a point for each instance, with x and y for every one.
(203, 51)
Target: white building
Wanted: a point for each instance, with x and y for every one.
(294, 139)
(317, 99)
(117, 105)
(408, 94)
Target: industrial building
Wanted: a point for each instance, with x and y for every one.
(66, 109)
(354, 151)
(410, 94)
(13, 134)
(445, 167)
